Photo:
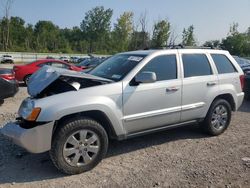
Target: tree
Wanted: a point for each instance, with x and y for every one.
(47, 36)
(144, 34)
(139, 40)
(6, 24)
(122, 32)
(237, 43)
(161, 33)
(172, 38)
(96, 26)
(188, 38)
(233, 29)
(75, 38)
(17, 34)
(29, 38)
(212, 44)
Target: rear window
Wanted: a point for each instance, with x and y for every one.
(196, 65)
(223, 64)
(6, 71)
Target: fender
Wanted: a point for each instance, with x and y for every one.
(57, 106)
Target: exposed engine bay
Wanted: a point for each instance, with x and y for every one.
(51, 81)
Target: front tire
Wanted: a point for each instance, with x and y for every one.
(79, 145)
(218, 117)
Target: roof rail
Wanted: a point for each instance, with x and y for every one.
(180, 46)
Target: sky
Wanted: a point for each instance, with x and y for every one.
(211, 18)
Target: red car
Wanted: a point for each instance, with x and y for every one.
(23, 72)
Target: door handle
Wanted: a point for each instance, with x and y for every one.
(172, 89)
(211, 83)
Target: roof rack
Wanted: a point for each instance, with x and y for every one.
(180, 46)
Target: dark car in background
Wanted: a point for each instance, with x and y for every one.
(245, 66)
(8, 83)
(89, 64)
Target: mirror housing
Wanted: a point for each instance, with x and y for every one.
(145, 77)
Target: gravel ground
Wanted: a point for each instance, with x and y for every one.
(182, 157)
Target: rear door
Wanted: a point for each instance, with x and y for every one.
(200, 84)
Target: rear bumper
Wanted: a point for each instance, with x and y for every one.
(34, 140)
(10, 88)
(240, 98)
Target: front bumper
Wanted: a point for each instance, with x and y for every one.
(34, 140)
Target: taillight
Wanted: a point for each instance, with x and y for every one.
(242, 81)
(7, 76)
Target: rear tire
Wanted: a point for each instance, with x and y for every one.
(218, 117)
(78, 145)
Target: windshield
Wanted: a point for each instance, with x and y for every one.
(117, 67)
(84, 62)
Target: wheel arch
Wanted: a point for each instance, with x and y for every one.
(96, 115)
(229, 98)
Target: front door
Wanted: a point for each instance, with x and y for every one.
(152, 105)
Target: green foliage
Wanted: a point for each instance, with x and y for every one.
(212, 44)
(94, 35)
(122, 32)
(188, 38)
(96, 26)
(237, 43)
(139, 40)
(161, 34)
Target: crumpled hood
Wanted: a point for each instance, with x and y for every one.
(47, 75)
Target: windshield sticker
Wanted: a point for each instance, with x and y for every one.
(116, 76)
(135, 58)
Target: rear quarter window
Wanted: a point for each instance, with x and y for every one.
(223, 64)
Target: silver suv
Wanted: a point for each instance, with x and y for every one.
(74, 115)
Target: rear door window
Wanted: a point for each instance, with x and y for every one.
(196, 65)
(223, 64)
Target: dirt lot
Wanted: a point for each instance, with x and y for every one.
(182, 157)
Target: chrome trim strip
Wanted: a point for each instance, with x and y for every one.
(151, 113)
(193, 106)
(162, 111)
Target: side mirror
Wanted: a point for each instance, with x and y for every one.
(145, 77)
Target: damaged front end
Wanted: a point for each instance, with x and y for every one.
(50, 81)
(36, 135)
